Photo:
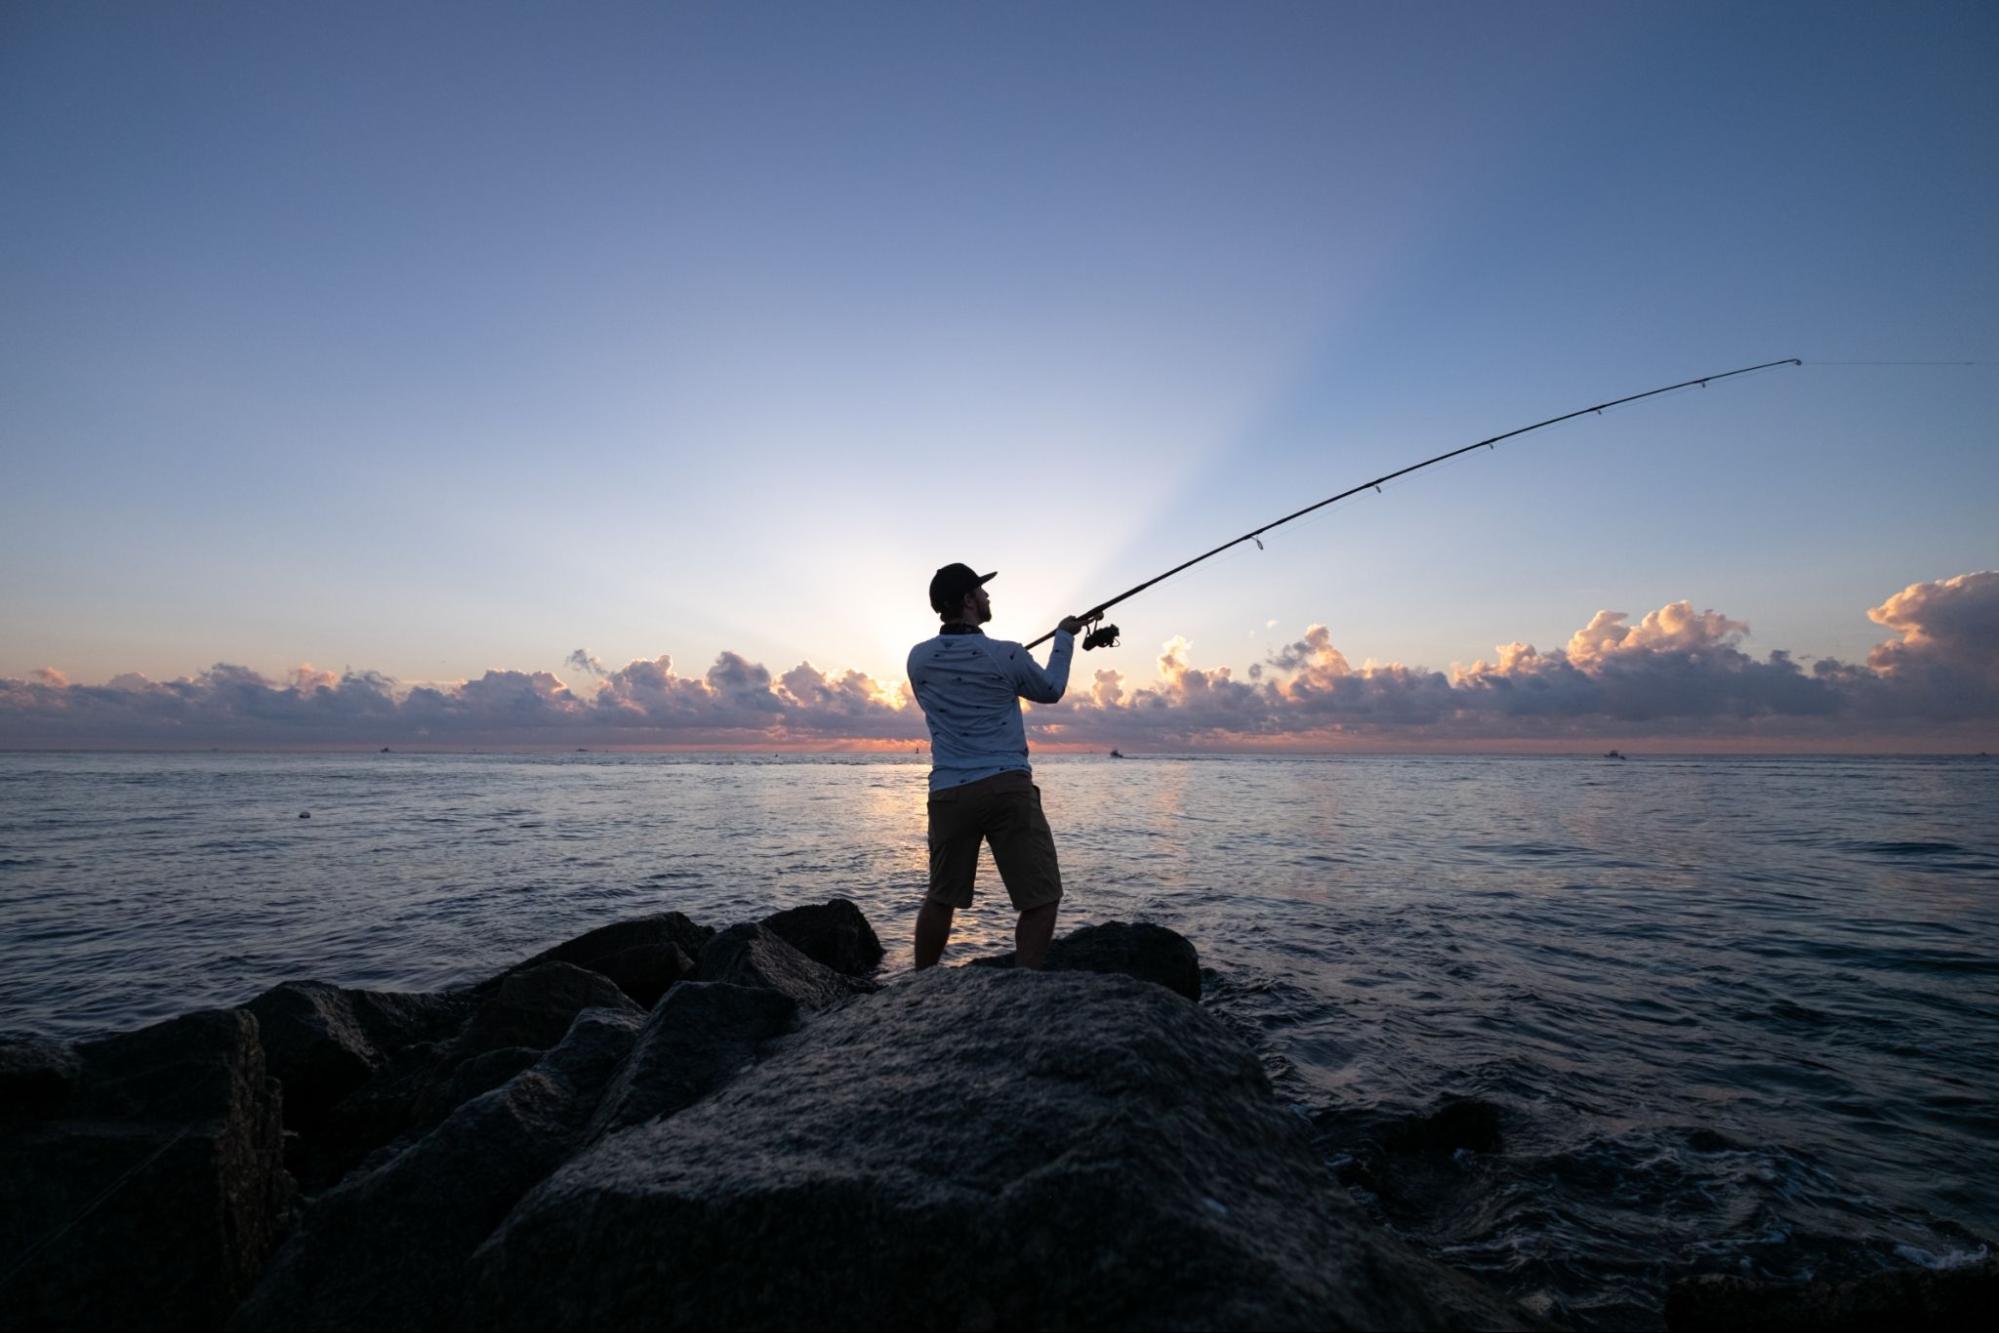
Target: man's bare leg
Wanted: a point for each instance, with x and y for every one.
(1031, 936)
(933, 928)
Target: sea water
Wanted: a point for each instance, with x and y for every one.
(1734, 1015)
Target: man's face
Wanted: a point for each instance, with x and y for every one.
(980, 604)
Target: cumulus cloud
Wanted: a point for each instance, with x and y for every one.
(1676, 673)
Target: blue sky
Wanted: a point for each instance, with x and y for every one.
(431, 340)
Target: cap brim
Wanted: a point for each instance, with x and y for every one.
(988, 578)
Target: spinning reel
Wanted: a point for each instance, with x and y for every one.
(1101, 636)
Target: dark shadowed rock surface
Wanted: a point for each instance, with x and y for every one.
(386, 1249)
(972, 1149)
(1133, 949)
(644, 956)
(322, 1042)
(36, 1076)
(753, 955)
(1905, 1299)
(534, 1006)
(694, 1041)
(513, 1019)
(156, 1198)
(834, 934)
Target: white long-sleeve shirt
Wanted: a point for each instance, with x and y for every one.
(970, 687)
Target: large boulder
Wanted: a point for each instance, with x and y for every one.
(156, 1197)
(972, 1149)
(1903, 1299)
(754, 955)
(1133, 949)
(644, 956)
(519, 1015)
(387, 1248)
(534, 1006)
(323, 1041)
(694, 1041)
(834, 934)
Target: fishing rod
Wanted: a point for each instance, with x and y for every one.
(1105, 636)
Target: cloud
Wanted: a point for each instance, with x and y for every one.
(1676, 673)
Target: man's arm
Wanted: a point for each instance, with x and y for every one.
(1030, 681)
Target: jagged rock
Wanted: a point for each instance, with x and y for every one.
(644, 956)
(387, 1249)
(482, 1073)
(322, 1041)
(534, 1006)
(519, 1015)
(1905, 1299)
(834, 934)
(37, 1076)
(156, 1198)
(752, 955)
(1133, 949)
(972, 1149)
(693, 1041)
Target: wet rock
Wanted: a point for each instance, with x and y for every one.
(1459, 1123)
(387, 1248)
(322, 1042)
(753, 955)
(834, 934)
(534, 1007)
(972, 1149)
(157, 1195)
(37, 1076)
(694, 1041)
(1906, 1299)
(644, 956)
(1133, 949)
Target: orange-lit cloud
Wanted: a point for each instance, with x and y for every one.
(1676, 673)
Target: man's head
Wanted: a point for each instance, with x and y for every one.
(957, 593)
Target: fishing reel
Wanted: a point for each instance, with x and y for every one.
(1102, 636)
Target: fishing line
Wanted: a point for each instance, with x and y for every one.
(1101, 635)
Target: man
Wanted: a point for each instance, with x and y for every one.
(981, 788)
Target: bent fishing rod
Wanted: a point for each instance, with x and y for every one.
(1105, 636)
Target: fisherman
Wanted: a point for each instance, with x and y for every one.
(981, 787)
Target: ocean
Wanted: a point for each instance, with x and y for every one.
(1731, 1015)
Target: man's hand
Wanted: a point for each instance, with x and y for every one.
(1070, 625)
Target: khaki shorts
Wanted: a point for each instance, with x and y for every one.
(1004, 810)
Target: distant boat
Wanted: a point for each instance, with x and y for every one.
(387, 750)
(1613, 754)
(1115, 754)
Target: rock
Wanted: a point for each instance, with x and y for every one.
(37, 1076)
(534, 1006)
(157, 1196)
(1458, 1123)
(482, 1073)
(387, 1249)
(972, 1149)
(638, 954)
(752, 955)
(834, 934)
(1905, 1299)
(1135, 949)
(693, 1041)
(322, 1042)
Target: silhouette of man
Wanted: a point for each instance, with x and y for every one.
(981, 787)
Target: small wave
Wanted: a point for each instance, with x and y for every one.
(1939, 1263)
(1913, 848)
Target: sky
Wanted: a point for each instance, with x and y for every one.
(538, 374)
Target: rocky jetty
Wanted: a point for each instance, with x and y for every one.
(662, 1124)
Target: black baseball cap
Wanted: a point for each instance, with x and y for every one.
(949, 585)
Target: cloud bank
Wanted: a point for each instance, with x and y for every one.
(1677, 674)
